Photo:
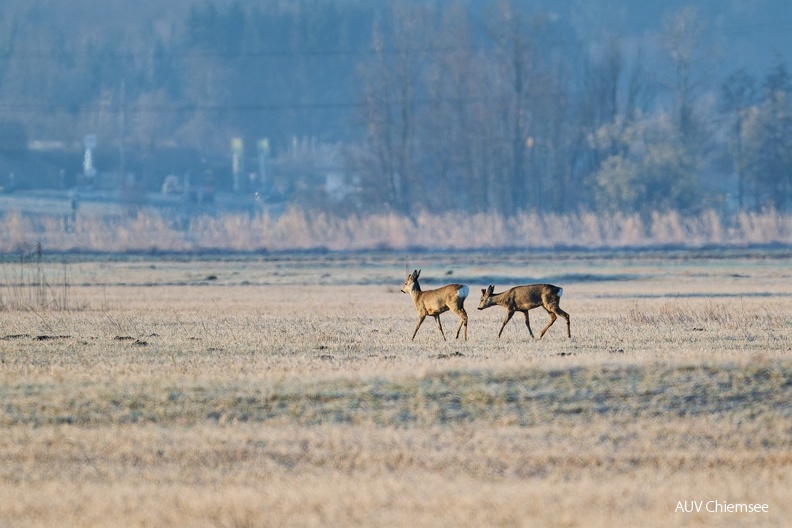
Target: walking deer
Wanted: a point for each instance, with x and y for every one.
(434, 302)
(524, 298)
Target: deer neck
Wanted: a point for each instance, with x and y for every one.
(499, 298)
(415, 291)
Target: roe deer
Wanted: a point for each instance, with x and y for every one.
(434, 302)
(524, 298)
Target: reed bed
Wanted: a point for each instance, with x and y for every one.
(150, 230)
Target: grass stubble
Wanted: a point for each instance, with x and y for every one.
(279, 394)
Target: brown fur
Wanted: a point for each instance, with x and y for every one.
(434, 302)
(525, 298)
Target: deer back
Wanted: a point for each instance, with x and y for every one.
(442, 299)
(533, 295)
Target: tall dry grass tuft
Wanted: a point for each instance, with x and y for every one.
(762, 228)
(731, 316)
(27, 283)
(16, 230)
(297, 229)
(669, 228)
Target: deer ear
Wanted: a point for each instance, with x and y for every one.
(490, 289)
(417, 274)
(483, 292)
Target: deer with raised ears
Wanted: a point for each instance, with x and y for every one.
(524, 298)
(434, 302)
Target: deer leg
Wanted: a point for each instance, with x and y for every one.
(506, 319)
(463, 321)
(565, 315)
(552, 320)
(528, 322)
(437, 318)
(418, 325)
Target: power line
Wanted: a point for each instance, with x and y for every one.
(179, 108)
(729, 30)
(114, 108)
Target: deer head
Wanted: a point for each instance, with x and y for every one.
(412, 282)
(486, 298)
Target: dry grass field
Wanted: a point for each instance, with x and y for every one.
(285, 391)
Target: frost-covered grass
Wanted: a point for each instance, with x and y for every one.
(286, 391)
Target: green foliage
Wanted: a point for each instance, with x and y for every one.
(767, 142)
(653, 172)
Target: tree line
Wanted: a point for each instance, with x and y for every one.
(437, 106)
(513, 126)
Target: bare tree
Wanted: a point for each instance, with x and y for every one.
(519, 83)
(463, 130)
(738, 93)
(390, 97)
(683, 39)
(767, 142)
(451, 135)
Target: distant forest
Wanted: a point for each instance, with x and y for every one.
(410, 106)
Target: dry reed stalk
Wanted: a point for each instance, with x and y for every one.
(303, 230)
